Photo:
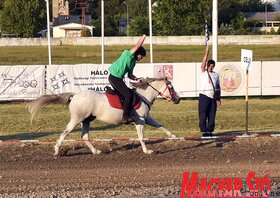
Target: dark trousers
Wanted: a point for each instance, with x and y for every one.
(207, 108)
(121, 88)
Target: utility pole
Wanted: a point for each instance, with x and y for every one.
(49, 35)
(215, 31)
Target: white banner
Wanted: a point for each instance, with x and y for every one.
(27, 82)
(270, 78)
(22, 82)
(76, 78)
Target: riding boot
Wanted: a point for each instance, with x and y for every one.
(126, 119)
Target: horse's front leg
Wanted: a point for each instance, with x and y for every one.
(140, 123)
(150, 121)
(85, 136)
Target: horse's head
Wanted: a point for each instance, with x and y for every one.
(163, 87)
(169, 92)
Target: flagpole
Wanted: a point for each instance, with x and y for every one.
(48, 34)
(206, 33)
(151, 31)
(215, 31)
(102, 32)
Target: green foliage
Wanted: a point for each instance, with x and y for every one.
(138, 17)
(278, 31)
(113, 10)
(24, 18)
(248, 26)
(231, 13)
(85, 32)
(172, 17)
(228, 11)
(255, 6)
(272, 31)
(226, 29)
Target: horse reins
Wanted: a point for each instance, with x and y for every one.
(166, 87)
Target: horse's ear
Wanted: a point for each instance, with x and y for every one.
(143, 84)
(145, 80)
(149, 80)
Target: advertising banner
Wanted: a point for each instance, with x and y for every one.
(26, 82)
(182, 75)
(22, 82)
(77, 78)
(233, 77)
(270, 78)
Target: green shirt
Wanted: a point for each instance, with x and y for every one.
(125, 63)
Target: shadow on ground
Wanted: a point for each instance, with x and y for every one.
(27, 136)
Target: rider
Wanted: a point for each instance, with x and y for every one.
(125, 64)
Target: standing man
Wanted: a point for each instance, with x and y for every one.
(122, 66)
(209, 96)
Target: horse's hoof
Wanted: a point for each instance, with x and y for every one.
(149, 152)
(61, 152)
(97, 152)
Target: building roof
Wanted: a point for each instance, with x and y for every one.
(72, 26)
(65, 19)
(262, 16)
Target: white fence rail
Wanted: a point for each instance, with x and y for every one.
(157, 40)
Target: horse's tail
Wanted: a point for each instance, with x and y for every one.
(36, 106)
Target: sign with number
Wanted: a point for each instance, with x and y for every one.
(246, 59)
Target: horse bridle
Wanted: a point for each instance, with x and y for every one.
(170, 89)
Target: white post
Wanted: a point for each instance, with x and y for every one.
(49, 35)
(266, 17)
(215, 31)
(102, 32)
(151, 31)
(127, 21)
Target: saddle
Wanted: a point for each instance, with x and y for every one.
(116, 101)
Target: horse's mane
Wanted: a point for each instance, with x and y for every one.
(145, 82)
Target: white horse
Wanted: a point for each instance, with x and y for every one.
(89, 105)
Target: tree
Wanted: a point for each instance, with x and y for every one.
(23, 18)
(174, 17)
(228, 11)
(231, 14)
(226, 29)
(1, 4)
(138, 17)
(113, 10)
(278, 31)
(85, 32)
(255, 6)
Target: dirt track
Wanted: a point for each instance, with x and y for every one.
(30, 170)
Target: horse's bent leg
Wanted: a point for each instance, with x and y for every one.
(85, 136)
(150, 121)
(140, 132)
(70, 126)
